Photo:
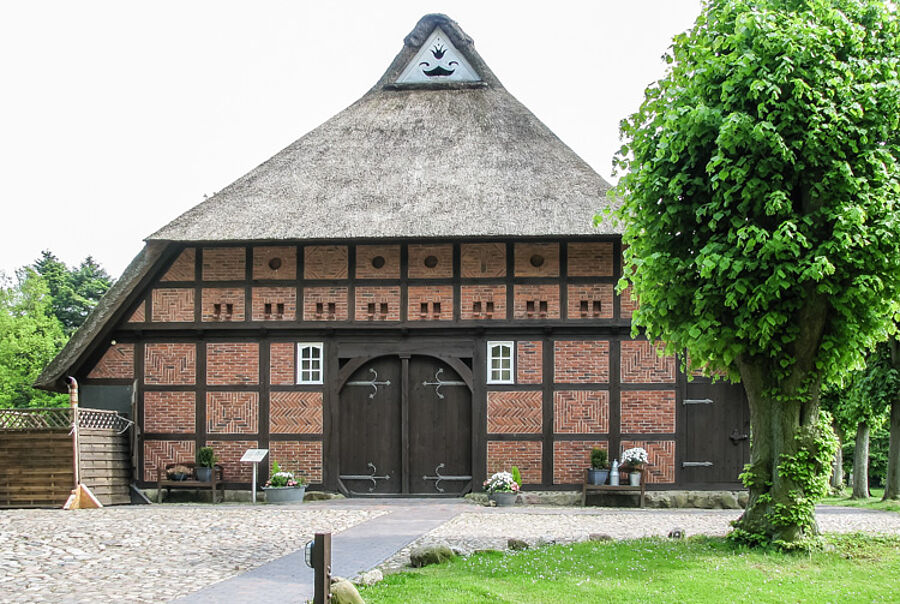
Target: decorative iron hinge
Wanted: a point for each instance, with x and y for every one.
(697, 401)
(371, 477)
(696, 464)
(438, 383)
(373, 383)
(437, 479)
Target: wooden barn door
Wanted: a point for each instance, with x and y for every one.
(406, 428)
(717, 428)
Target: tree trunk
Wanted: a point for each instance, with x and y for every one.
(892, 481)
(861, 462)
(837, 474)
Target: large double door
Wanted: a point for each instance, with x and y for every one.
(405, 426)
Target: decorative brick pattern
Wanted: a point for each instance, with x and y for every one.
(378, 303)
(482, 302)
(537, 259)
(325, 262)
(224, 264)
(183, 269)
(116, 363)
(140, 314)
(590, 259)
(232, 412)
(229, 453)
(216, 302)
(526, 455)
(280, 302)
(483, 260)
(325, 304)
(581, 411)
(514, 412)
(627, 305)
(536, 301)
(232, 363)
(590, 301)
(173, 305)
(170, 412)
(170, 364)
(641, 364)
(571, 458)
(303, 458)
(436, 300)
(529, 362)
(648, 411)
(277, 262)
(295, 413)
(661, 453)
(420, 254)
(388, 267)
(282, 363)
(161, 452)
(581, 361)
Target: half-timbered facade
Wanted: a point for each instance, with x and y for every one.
(406, 299)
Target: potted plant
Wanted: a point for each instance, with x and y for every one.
(502, 488)
(206, 462)
(599, 471)
(284, 487)
(179, 472)
(636, 458)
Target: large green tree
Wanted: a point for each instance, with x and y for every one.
(75, 291)
(760, 196)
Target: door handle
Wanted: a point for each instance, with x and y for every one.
(737, 437)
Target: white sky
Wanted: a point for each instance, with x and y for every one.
(116, 117)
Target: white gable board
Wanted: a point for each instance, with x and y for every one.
(438, 61)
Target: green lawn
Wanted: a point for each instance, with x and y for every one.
(873, 503)
(852, 569)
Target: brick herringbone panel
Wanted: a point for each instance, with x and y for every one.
(325, 262)
(183, 267)
(571, 458)
(232, 363)
(526, 252)
(286, 296)
(529, 362)
(365, 269)
(295, 412)
(514, 412)
(170, 412)
(303, 458)
(224, 263)
(648, 411)
(581, 411)
(140, 314)
(582, 298)
(661, 453)
(591, 259)
(283, 258)
(229, 453)
(642, 365)
(418, 254)
(626, 305)
(281, 363)
(161, 452)
(172, 305)
(117, 362)
(526, 455)
(232, 412)
(482, 260)
(580, 361)
(170, 364)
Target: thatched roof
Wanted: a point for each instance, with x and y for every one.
(451, 160)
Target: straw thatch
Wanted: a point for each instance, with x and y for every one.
(463, 160)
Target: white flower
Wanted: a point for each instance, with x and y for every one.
(635, 456)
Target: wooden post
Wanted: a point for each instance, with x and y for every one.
(321, 556)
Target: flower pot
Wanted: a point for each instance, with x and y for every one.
(504, 499)
(597, 476)
(284, 494)
(178, 476)
(204, 474)
(634, 479)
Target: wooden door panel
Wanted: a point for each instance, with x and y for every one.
(716, 423)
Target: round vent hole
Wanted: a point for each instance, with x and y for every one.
(275, 264)
(431, 261)
(378, 261)
(537, 260)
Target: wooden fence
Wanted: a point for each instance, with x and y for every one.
(36, 467)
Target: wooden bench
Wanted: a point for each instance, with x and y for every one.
(606, 488)
(164, 482)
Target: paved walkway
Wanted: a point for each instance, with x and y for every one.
(354, 550)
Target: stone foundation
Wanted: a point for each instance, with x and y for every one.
(727, 500)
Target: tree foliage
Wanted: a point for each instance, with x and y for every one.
(75, 291)
(760, 193)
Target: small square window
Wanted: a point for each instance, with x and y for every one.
(500, 362)
(309, 362)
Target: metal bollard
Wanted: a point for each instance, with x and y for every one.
(318, 557)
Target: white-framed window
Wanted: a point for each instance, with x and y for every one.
(309, 362)
(500, 363)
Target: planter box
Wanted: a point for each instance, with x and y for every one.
(284, 494)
